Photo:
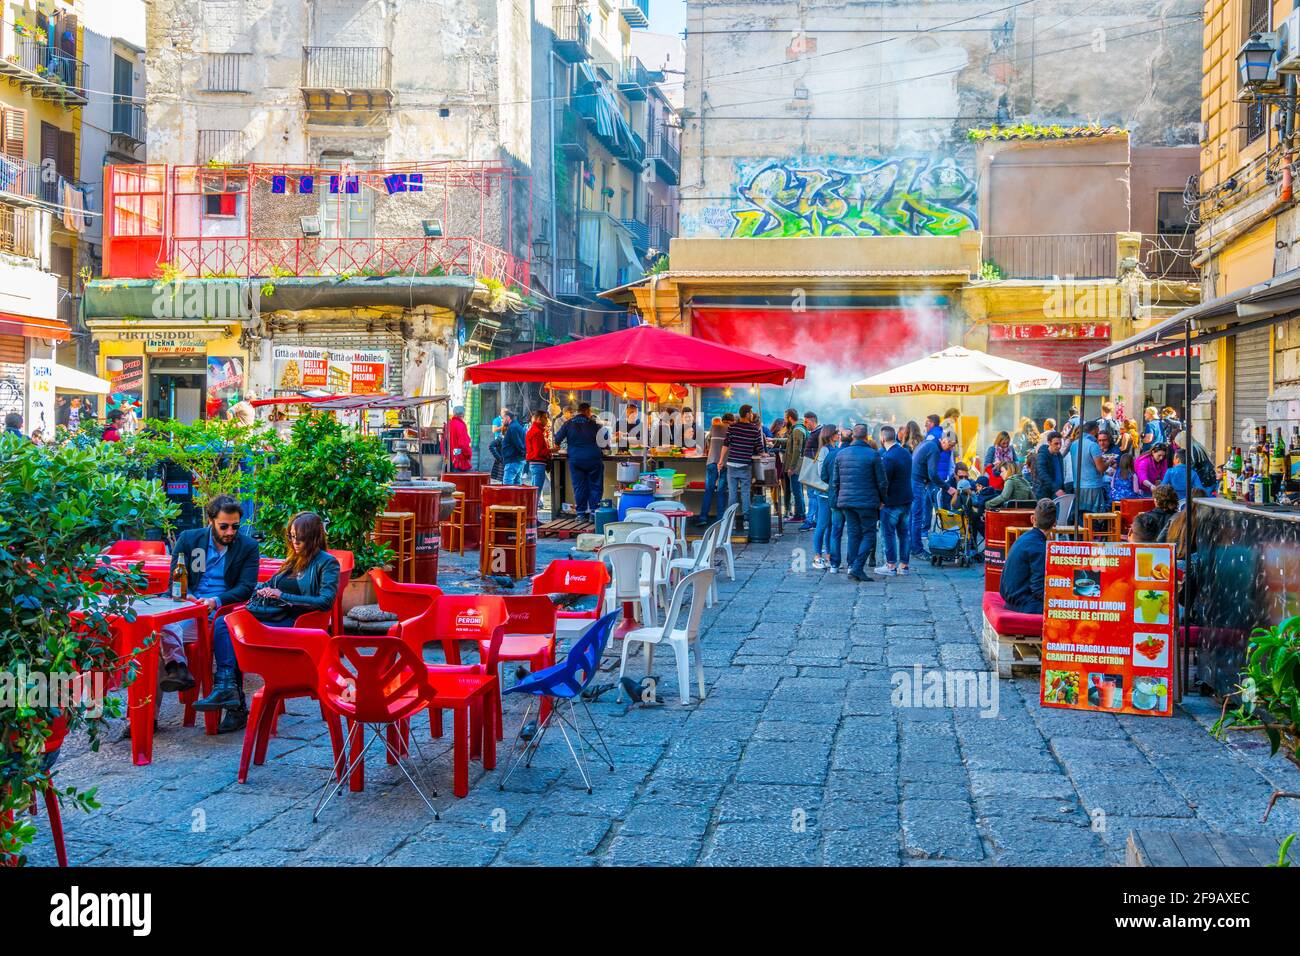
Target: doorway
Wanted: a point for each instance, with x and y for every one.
(177, 385)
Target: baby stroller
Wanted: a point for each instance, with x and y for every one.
(951, 536)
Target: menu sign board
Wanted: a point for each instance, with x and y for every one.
(1108, 627)
(345, 371)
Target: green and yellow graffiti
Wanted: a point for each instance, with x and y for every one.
(895, 197)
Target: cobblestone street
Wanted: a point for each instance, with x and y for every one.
(797, 756)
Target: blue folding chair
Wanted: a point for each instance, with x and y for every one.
(564, 683)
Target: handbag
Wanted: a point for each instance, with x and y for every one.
(810, 475)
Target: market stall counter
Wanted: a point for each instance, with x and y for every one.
(691, 464)
(1245, 573)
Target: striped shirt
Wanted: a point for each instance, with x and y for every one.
(744, 441)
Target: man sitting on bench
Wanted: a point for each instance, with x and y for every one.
(1026, 565)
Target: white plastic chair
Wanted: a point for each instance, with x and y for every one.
(630, 565)
(664, 543)
(680, 639)
(616, 532)
(703, 553)
(647, 516)
(664, 506)
(728, 522)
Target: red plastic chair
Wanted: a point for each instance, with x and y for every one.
(133, 549)
(58, 731)
(574, 577)
(377, 682)
(466, 617)
(530, 636)
(288, 661)
(412, 603)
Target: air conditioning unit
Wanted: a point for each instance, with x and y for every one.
(1288, 44)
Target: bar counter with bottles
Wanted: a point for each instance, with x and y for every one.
(1265, 472)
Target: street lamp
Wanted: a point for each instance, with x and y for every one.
(1256, 66)
(541, 249)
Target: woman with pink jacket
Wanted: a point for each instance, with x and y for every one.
(1151, 468)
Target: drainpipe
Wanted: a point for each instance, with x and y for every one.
(1288, 127)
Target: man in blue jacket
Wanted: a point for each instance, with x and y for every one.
(894, 510)
(858, 488)
(925, 485)
(582, 437)
(1025, 569)
(513, 447)
(221, 569)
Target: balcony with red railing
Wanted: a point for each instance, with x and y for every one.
(255, 221)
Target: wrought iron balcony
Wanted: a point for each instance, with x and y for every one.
(570, 133)
(635, 12)
(1169, 256)
(663, 150)
(640, 235)
(572, 31)
(347, 78)
(29, 181)
(635, 79)
(128, 122)
(44, 71)
(1085, 256)
(574, 279)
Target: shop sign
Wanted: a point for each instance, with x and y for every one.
(346, 371)
(172, 341)
(1108, 627)
(40, 397)
(1005, 332)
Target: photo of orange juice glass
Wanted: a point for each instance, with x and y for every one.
(1146, 565)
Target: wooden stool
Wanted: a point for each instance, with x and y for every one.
(453, 529)
(1065, 533)
(506, 531)
(1101, 526)
(397, 530)
(1014, 532)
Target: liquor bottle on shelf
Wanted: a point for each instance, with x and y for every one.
(1277, 464)
(1293, 453)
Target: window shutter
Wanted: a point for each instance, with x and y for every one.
(15, 134)
(49, 144)
(67, 162)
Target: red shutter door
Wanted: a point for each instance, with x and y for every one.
(1061, 355)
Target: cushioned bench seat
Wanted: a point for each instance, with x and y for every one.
(1010, 623)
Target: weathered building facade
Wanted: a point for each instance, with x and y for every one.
(1051, 146)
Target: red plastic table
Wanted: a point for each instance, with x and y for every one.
(142, 700)
(678, 519)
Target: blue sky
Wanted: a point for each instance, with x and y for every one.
(667, 16)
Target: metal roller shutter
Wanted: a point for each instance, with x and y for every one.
(13, 349)
(390, 341)
(1250, 380)
(12, 374)
(1059, 355)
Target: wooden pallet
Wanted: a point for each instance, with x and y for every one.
(566, 528)
(1163, 848)
(1007, 652)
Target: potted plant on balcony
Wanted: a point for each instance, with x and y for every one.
(343, 476)
(59, 506)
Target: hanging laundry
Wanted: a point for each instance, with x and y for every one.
(74, 207)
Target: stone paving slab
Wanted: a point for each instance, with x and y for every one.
(800, 755)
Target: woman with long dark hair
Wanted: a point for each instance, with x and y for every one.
(307, 581)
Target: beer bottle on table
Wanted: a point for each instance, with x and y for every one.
(180, 580)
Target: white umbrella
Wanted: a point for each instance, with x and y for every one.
(958, 372)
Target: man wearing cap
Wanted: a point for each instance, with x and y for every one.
(456, 450)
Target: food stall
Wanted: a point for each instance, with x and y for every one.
(633, 359)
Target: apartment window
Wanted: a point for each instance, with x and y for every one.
(1171, 213)
(221, 145)
(223, 72)
(1259, 15)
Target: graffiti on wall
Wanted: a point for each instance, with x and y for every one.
(906, 196)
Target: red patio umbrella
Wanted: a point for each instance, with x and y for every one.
(644, 353)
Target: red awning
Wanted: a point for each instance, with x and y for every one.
(34, 328)
(645, 353)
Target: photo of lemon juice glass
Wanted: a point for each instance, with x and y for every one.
(1152, 607)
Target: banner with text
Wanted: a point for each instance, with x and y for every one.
(1108, 627)
(345, 371)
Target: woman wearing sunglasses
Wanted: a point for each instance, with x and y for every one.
(307, 581)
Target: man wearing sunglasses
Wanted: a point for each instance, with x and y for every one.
(221, 568)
